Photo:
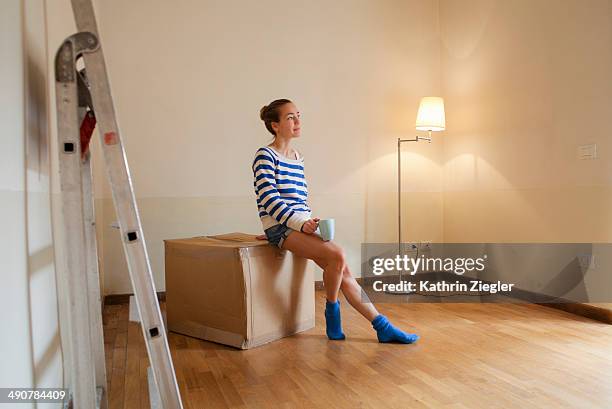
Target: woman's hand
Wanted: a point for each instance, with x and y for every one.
(310, 226)
(261, 237)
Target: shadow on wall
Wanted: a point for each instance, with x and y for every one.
(37, 137)
(554, 272)
(463, 24)
(42, 264)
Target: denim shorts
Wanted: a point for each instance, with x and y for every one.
(277, 234)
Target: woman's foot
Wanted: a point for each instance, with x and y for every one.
(386, 332)
(332, 321)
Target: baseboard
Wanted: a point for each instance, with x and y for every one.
(584, 310)
(115, 299)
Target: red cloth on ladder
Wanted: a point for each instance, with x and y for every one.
(87, 127)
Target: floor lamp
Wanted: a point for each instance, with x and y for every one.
(430, 118)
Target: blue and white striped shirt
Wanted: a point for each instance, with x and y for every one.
(281, 189)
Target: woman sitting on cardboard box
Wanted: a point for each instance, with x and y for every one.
(282, 194)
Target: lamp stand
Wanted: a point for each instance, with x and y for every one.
(399, 203)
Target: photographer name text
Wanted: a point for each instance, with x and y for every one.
(473, 286)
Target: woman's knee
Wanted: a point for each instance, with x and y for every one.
(322, 253)
(335, 256)
(346, 272)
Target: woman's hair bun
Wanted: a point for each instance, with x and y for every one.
(262, 112)
(271, 113)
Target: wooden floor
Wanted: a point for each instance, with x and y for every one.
(469, 356)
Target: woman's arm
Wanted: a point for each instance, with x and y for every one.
(269, 197)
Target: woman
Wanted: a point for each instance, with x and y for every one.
(282, 193)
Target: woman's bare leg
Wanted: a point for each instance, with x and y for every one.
(328, 255)
(385, 331)
(356, 296)
(336, 274)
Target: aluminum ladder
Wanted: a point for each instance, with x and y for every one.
(84, 100)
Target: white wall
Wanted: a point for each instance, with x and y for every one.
(30, 344)
(189, 78)
(15, 342)
(526, 83)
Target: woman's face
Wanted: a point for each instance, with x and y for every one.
(289, 122)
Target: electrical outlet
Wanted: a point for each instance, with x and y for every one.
(586, 261)
(425, 245)
(409, 247)
(587, 151)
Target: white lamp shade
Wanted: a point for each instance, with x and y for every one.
(431, 115)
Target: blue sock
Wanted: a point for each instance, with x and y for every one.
(332, 320)
(388, 333)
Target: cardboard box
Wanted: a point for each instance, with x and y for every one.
(236, 290)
